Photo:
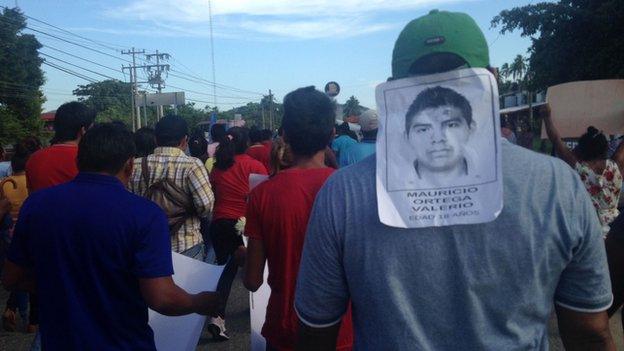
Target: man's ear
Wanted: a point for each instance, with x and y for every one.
(129, 167)
(125, 173)
(493, 70)
(472, 126)
(81, 133)
(184, 142)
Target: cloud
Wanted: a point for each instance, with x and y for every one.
(297, 19)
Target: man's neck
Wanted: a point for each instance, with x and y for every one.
(309, 162)
(69, 142)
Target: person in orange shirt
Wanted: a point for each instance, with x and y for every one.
(14, 189)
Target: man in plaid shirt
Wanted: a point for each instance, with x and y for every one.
(188, 173)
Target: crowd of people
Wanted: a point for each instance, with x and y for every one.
(88, 225)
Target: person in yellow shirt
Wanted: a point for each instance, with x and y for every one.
(14, 189)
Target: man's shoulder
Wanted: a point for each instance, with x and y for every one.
(142, 205)
(519, 163)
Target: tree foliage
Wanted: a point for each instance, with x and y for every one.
(21, 79)
(352, 107)
(571, 39)
(111, 100)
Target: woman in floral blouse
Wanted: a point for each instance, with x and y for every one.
(602, 176)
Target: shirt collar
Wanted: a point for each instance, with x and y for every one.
(168, 150)
(88, 177)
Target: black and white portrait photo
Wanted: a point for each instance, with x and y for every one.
(439, 139)
(438, 126)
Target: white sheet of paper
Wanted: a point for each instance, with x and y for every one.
(182, 333)
(438, 150)
(258, 303)
(259, 300)
(256, 179)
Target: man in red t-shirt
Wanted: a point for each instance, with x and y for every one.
(258, 150)
(278, 213)
(57, 164)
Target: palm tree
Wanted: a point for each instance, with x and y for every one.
(503, 72)
(518, 69)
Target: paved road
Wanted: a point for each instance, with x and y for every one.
(239, 330)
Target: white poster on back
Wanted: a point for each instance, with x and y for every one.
(438, 150)
(259, 300)
(182, 333)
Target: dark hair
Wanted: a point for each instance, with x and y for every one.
(255, 135)
(235, 143)
(170, 130)
(217, 133)
(198, 146)
(436, 63)
(438, 97)
(309, 117)
(145, 141)
(22, 152)
(69, 119)
(267, 134)
(369, 134)
(105, 148)
(342, 129)
(592, 145)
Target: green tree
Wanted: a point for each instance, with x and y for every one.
(352, 107)
(571, 39)
(518, 69)
(503, 72)
(21, 79)
(111, 100)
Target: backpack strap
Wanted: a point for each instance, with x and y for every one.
(145, 172)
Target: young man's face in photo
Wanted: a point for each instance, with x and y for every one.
(437, 136)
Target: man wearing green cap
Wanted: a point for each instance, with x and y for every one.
(489, 286)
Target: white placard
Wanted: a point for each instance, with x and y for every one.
(438, 150)
(258, 303)
(182, 333)
(259, 300)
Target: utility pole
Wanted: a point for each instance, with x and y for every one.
(155, 75)
(214, 70)
(136, 109)
(271, 110)
(262, 107)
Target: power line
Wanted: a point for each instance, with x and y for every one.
(77, 44)
(218, 85)
(82, 58)
(70, 72)
(97, 42)
(76, 66)
(210, 95)
(65, 40)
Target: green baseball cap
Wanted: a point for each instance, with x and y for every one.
(439, 32)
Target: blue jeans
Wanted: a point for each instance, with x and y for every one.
(195, 252)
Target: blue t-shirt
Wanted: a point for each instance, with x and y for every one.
(341, 143)
(5, 169)
(357, 152)
(471, 287)
(89, 241)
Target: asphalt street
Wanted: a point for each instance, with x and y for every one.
(237, 321)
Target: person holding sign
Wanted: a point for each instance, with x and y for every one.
(98, 255)
(278, 213)
(601, 175)
(483, 286)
